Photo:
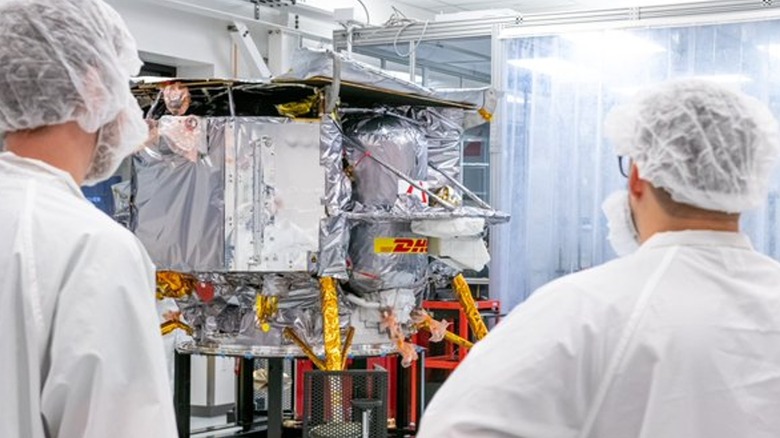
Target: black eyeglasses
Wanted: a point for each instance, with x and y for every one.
(624, 164)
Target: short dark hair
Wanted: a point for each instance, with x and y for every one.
(687, 211)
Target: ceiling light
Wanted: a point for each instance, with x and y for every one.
(661, 2)
(613, 43)
(599, 4)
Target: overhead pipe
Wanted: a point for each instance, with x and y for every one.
(442, 30)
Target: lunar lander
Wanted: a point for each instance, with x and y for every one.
(305, 215)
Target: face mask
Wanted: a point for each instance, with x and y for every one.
(623, 236)
(116, 140)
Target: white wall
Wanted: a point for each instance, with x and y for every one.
(199, 46)
(185, 34)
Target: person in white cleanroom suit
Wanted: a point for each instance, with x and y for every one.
(679, 338)
(82, 353)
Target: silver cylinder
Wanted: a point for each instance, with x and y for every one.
(401, 144)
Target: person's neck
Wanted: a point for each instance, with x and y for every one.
(66, 147)
(683, 224)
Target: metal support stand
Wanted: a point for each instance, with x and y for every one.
(403, 397)
(246, 394)
(359, 364)
(420, 386)
(267, 424)
(275, 397)
(271, 425)
(181, 394)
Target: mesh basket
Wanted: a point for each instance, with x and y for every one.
(345, 404)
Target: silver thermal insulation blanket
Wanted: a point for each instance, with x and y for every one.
(309, 63)
(242, 195)
(443, 128)
(403, 145)
(179, 198)
(255, 209)
(334, 229)
(225, 314)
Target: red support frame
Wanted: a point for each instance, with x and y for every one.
(450, 360)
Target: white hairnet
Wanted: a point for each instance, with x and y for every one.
(708, 146)
(70, 61)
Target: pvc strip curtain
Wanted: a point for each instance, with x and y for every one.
(557, 168)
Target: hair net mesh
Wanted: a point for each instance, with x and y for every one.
(708, 146)
(63, 61)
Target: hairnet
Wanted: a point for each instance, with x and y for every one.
(708, 146)
(68, 61)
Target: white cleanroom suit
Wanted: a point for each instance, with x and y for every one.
(83, 352)
(678, 340)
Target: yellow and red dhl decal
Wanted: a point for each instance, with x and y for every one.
(400, 245)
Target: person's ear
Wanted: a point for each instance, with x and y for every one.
(636, 186)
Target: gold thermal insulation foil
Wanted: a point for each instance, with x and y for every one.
(266, 307)
(172, 322)
(299, 108)
(169, 326)
(347, 346)
(457, 340)
(293, 336)
(172, 284)
(486, 114)
(448, 336)
(463, 293)
(330, 324)
(437, 329)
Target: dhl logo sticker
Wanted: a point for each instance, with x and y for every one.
(399, 245)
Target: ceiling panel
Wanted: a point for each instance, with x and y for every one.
(436, 6)
(473, 5)
(461, 2)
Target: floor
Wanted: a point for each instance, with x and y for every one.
(201, 422)
(198, 423)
